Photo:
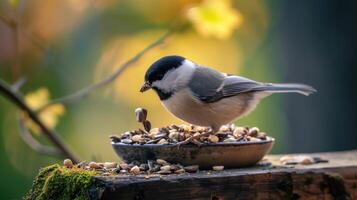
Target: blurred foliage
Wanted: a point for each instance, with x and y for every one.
(48, 116)
(62, 46)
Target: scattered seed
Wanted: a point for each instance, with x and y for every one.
(164, 172)
(213, 138)
(165, 168)
(126, 141)
(136, 138)
(230, 140)
(192, 168)
(162, 141)
(173, 134)
(162, 162)
(114, 138)
(147, 125)
(298, 159)
(253, 132)
(110, 165)
(123, 166)
(253, 139)
(141, 114)
(68, 163)
(144, 167)
(218, 168)
(224, 128)
(94, 165)
(135, 170)
(180, 171)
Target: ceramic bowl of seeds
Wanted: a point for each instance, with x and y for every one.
(231, 146)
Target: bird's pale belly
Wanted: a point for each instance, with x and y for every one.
(214, 115)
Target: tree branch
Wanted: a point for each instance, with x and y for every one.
(89, 89)
(33, 143)
(16, 98)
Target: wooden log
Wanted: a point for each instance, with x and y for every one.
(336, 179)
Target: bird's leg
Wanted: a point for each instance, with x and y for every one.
(193, 139)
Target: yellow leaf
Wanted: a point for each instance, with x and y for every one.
(215, 18)
(48, 116)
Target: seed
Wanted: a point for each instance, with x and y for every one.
(200, 129)
(68, 163)
(123, 166)
(164, 172)
(94, 165)
(253, 139)
(147, 125)
(230, 140)
(173, 126)
(159, 136)
(238, 131)
(180, 171)
(213, 139)
(192, 168)
(175, 167)
(114, 138)
(164, 130)
(127, 134)
(262, 136)
(144, 167)
(123, 171)
(253, 132)
(173, 134)
(136, 138)
(218, 168)
(185, 127)
(165, 168)
(298, 159)
(224, 128)
(82, 164)
(162, 162)
(155, 130)
(232, 126)
(110, 165)
(162, 141)
(126, 141)
(141, 114)
(307, 161)
(155, 168)
(135, 170)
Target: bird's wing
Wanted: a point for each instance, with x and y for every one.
(209, 85)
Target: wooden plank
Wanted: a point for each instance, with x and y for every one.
(336, 179)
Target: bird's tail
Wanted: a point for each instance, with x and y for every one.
(288, 87)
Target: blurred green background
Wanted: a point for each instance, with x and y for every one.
(62, 46)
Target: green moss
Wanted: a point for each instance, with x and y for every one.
(56, 182)
(335, 183)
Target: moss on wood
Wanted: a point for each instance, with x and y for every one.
(57, 182)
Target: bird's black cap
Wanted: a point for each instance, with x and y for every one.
(159, 68)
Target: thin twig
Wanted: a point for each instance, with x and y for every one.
(16, 98)
(18, 84)
(33, 143)
(87, 90)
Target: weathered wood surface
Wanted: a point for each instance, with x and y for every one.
(336, 179)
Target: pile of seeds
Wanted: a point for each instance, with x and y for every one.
(157, 167)
(173, 134)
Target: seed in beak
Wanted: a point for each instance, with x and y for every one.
(146, 86)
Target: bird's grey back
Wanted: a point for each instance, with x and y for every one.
(209, 85)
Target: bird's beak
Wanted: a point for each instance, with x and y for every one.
(146, 86)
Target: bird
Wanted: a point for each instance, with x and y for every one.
(205, 97)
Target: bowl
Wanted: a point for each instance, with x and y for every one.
(228, 154)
